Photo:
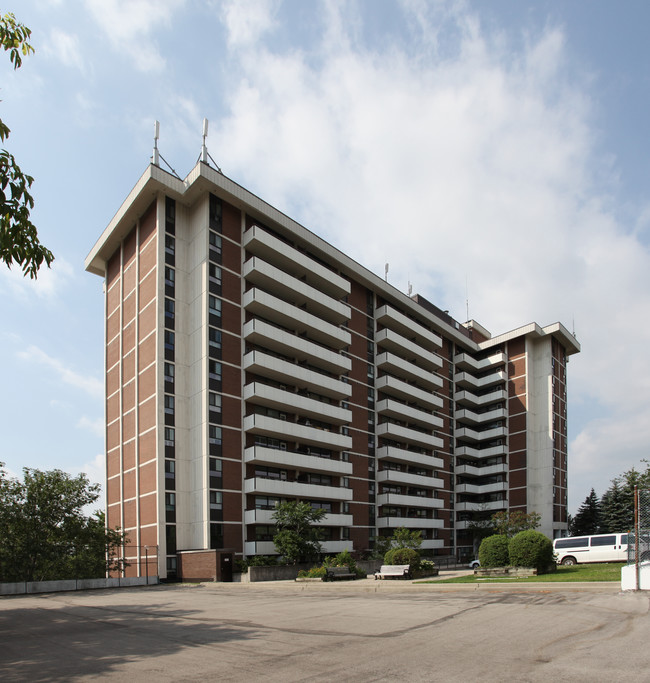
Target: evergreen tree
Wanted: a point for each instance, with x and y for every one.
(587, 519)
(616, 514)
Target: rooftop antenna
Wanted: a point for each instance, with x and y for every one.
(157, 156)
(386, 272)
(156, 134)
(205, 155)
(410, 290)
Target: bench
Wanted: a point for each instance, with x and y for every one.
(398, 571)
(333, 573)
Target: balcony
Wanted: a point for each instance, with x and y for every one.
(281, 370)
(276, 457)
(482, 488)
(468, 398)
(468, 434)
(393, 319)
(270, 278)
(467, 380)
(296, 489)
(479, 507)
(470, 452)
(337, 546)
(408, 392)
(261, 303)
(283, 342)
(389, 362)
(409, 523)
(261, 243)
(402, 455)
(472, 471)
(403, 412)
(289, 401)
(390, 340)
(398, 477)
(470, 417)
(259, 548)
(266, 517)
(399, 433)
(400, 500)
(292, 431)
(432, 544)
(464, 361)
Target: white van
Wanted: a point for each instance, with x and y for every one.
(599, 548)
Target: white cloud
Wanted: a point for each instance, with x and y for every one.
(90, 385)
(95, 470)
(247, 20)
(65, 47)
(458, 157)
(129, 25)
(49, 284)
(93, 425)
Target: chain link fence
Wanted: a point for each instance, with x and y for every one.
(638, 548)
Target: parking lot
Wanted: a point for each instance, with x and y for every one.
(356, 631)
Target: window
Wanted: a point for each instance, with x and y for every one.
(264, 532)
(603, 540)
(170, 245)
(215, 273)
(216, 499)
(170, 506)
(169, 340)
(170, 309)
(266, 502)
(214, 305)
(169, 372)
(214, 338)
(169, 404)
(216, 536)
(216, 465)
(214, 435)
(214, 368)
(170, 276)
(214, 401)
(215, 213)
(215, 242)
(170, 538)
(345, 533)
(170, 436)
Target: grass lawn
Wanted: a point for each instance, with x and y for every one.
(578, 572)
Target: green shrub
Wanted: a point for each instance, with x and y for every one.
(313, 573)
(531, 549)
(241, 566)
(403, 556)
(427, 564)
(262, 561)
(493, 551)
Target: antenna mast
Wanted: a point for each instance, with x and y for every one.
(156, 134)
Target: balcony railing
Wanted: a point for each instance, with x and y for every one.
(276, 457)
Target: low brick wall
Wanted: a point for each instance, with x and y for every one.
(30, 587)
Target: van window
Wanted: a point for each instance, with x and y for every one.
(624, 539)
(572, 542)
(603, 540)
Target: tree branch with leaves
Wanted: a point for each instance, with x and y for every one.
(19, 241)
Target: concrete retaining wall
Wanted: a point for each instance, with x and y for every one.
(629, 580)
(29, 587)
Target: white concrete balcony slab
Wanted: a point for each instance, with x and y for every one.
(468, 434)
(296, 489)
(283, 371)
(270, 278)
(266, 517)
(408, 392)
(470, 417)
(272, 308)
(276, 457)
(404, 434)
(392, 341)
(398, 366)
(259, 548)
(471, 399)
(402, 455)
(336, 546)
(409, 523)
(397, 477)
(468, 451)
(467, 380)
(273, 338)
(389, 317)
(432, 544)
(400, 500)
(291, 402)
(463, 361)
(472, 471)
(294, 432)
(401, 411)
(477, 507)
(273, 250)
(482, 488)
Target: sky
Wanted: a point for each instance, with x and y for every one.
(495, 152)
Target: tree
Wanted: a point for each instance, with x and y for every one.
(509, 523)
(296, 539)
(403, 538)
(615, 510)
(45, 534)
(18, 235)
(587, 519)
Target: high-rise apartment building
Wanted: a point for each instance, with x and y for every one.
(249, 362)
